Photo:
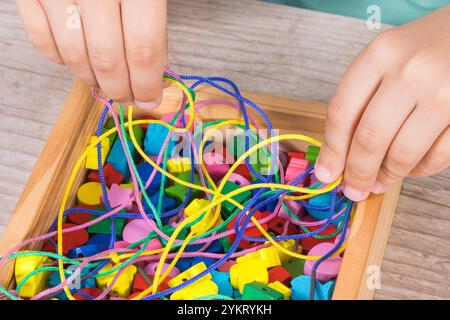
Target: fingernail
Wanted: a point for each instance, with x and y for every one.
(322, 173)
(354, 194)
(146, 105)
(378, 187)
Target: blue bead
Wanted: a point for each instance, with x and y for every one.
(222, 280)
(184, 264)
(100, 239)
(118, 159)
(155, 137)
(167, 204)
(324, 200)
(301, 286)
(215, 247)
(237, 294)
(55, 280)
(84, 251)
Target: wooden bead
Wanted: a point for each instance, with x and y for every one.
(329, 268)
(80, 217)
(247, 271)
(309, 242)
(35, 284)
(118, 196)
(260, 291)
(110, 174)
(92, 156)
(279, 273)
(90, 194)
(92, 292)
(72, 239)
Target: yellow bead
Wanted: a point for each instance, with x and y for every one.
(195, 206)
(92, 156)
(246, 271)
(189, 274)
(281, 288)
(178, 165)
(288, 245)
(35, 284)
(269, 256)
(123, 284)
(90, 193)
(195, 290)
(127, 185)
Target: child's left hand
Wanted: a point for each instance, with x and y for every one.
(390, 115)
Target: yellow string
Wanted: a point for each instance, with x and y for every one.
(228, 196)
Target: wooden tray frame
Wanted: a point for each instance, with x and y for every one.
(38, 205)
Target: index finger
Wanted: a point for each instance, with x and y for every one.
(345, 109)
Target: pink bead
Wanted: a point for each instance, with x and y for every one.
(150, 269)
(238, 179)
(118, 196)
(121, 244)
(167, 117)
(294, 206)
(136, 230)
(153, 244)
(329, 268)
(225, 267)
(336, 240)
(177, 219)
(295, 168)
(215, 165)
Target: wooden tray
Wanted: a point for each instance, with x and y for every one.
(40, 200)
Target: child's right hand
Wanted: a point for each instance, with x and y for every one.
(119, 45)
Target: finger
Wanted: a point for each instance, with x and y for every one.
(36, 25)
(144, 28)
(103, 33)
(373, 136)
(411, 144)
(351, 97)
(437, 158)
(67, 29)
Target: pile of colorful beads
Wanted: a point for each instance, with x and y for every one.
(248, 220)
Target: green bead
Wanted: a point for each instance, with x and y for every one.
(227, 207)
(295, 267)
(138, 134)
(109, 123)
(226, 245)
(311, 157)
(259, 291)
(313, 149)
(111, 137)
(179, 191)
(104, 226)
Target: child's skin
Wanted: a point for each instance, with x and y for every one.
(389, 117)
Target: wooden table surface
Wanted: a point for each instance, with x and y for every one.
(263, 47)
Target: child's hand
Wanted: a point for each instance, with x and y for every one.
(120, 45)
(390, 115)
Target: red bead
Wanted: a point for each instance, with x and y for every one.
(243, 170)
(93, 292)
(73, 239)
(139, 283)
(279, 273)
(80, 217)
(48, 247)
(249, 232)
(277, 225)
(310, 242)
(164, 285)
(296, 154)
(112, 176)
(133, 295)
(145, 125)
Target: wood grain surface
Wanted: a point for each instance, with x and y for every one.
(265, 48)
